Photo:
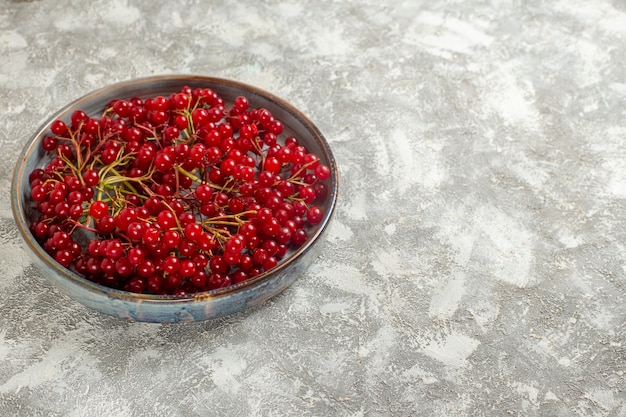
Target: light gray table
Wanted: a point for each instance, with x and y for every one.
(476, 264)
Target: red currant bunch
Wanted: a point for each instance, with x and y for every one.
(175, 195)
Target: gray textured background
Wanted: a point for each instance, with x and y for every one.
(476, 265)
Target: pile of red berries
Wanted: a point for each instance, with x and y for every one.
(175, 195)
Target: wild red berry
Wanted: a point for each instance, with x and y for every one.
(98, 209)
(314, 215)
(58, 127)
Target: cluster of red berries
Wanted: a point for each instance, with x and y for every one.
(175, 195)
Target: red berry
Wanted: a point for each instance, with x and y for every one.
(49, 143)
(78, 118)
(307, 194)
(272, 164)
(106, 224)
(314, 215)
(64, 257)
(322, 172)
(151, 235)
(163, 162)
(187, 268)
(58, 127)
(91, 177)
(218, 266)
(241, 104)
(98, 209)
(171, 238)
(166, 219)
(171, 264)
(193, 231)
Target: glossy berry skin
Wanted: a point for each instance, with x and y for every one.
(98, 209)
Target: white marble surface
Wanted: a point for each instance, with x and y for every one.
(476, 265)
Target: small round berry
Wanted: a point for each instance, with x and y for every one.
(49, 143)
(98, 209)
(218, 265)
(241, 104)
(299, 237)
(307, 194)
(78, 118)
(171, 264)
(193, 231)
(58, 127)
(106, 224)
(171, 238)
(163, 162)
(166, 219)
(314, 215)
(91, 177)
(322, 172)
